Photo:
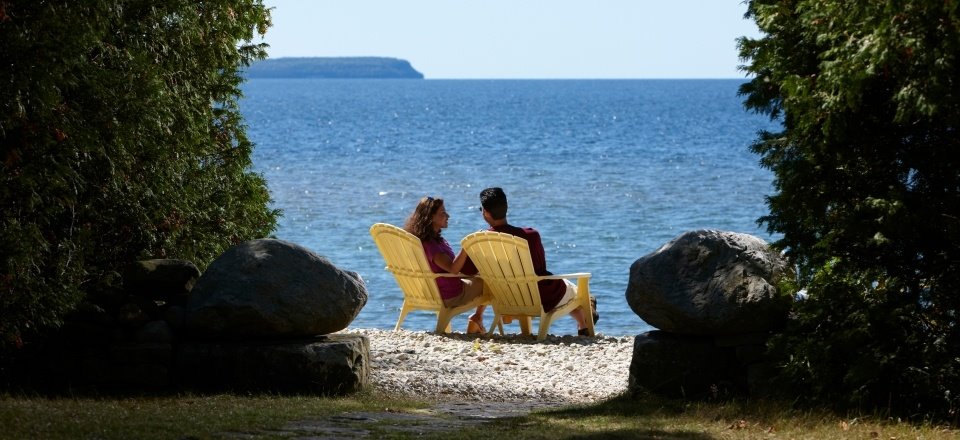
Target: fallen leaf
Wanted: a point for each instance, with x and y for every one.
(740, 424)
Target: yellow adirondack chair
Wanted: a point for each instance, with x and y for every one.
(507, 271)
(406, 260)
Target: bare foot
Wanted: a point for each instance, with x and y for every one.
(475, 325)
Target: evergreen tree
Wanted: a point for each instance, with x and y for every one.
(867, 197)
(120, 139)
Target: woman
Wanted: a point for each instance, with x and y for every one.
(426, 222)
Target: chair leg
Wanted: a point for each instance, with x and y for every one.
(496, 323)
(403, 314)
(545, 321)
(525, 323)
(443, 322)
(583, 296)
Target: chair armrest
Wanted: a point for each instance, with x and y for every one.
(430, 275)
(528, 278)
(565, 276)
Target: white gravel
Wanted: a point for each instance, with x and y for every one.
(561, 369)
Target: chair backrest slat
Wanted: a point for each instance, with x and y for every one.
(405, 259)
(506, 267)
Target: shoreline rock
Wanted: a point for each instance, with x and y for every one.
(710, 282)
(269, 288)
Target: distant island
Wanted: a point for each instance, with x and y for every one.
(333, 67)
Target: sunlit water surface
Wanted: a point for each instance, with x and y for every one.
(607, 171)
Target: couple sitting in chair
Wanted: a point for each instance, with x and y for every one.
(430, 217)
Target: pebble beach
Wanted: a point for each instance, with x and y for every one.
(461, 367)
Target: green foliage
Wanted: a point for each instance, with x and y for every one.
(862, 343)
(867, 192)
(120, 139)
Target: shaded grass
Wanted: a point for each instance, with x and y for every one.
(373, 415)
(172, 416)
(652, 417)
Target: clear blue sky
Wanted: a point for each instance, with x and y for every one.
(501, 39)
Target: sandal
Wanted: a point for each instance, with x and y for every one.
(474, 327)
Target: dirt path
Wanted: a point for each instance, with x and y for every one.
(443, 417)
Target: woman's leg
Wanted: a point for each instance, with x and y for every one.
(473, 288)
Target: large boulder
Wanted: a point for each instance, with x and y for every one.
(168, 280)
(710, 282)
(273, 289)
(330, 365)
(675, 365)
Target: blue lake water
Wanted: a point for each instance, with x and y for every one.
(608, 171)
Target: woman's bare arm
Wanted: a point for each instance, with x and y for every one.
(454, 266)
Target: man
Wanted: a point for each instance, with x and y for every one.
(493, 203)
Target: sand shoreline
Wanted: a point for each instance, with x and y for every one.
(460, 367)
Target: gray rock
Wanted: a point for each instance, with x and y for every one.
(132, 353)
(161, 279)
(114, 376)
(329, 365)
(760, 379)
(132, 316)
(155, 331)
(175, 317)
(710, 283)
(675, 365)
(272, 288)
(128, 366)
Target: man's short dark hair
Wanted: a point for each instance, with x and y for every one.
(494, 201)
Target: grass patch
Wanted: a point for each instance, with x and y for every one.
(173, 416)
(372, 415)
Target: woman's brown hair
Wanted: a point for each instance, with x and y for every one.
(420, 222)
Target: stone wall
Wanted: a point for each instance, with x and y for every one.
(136, 337)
